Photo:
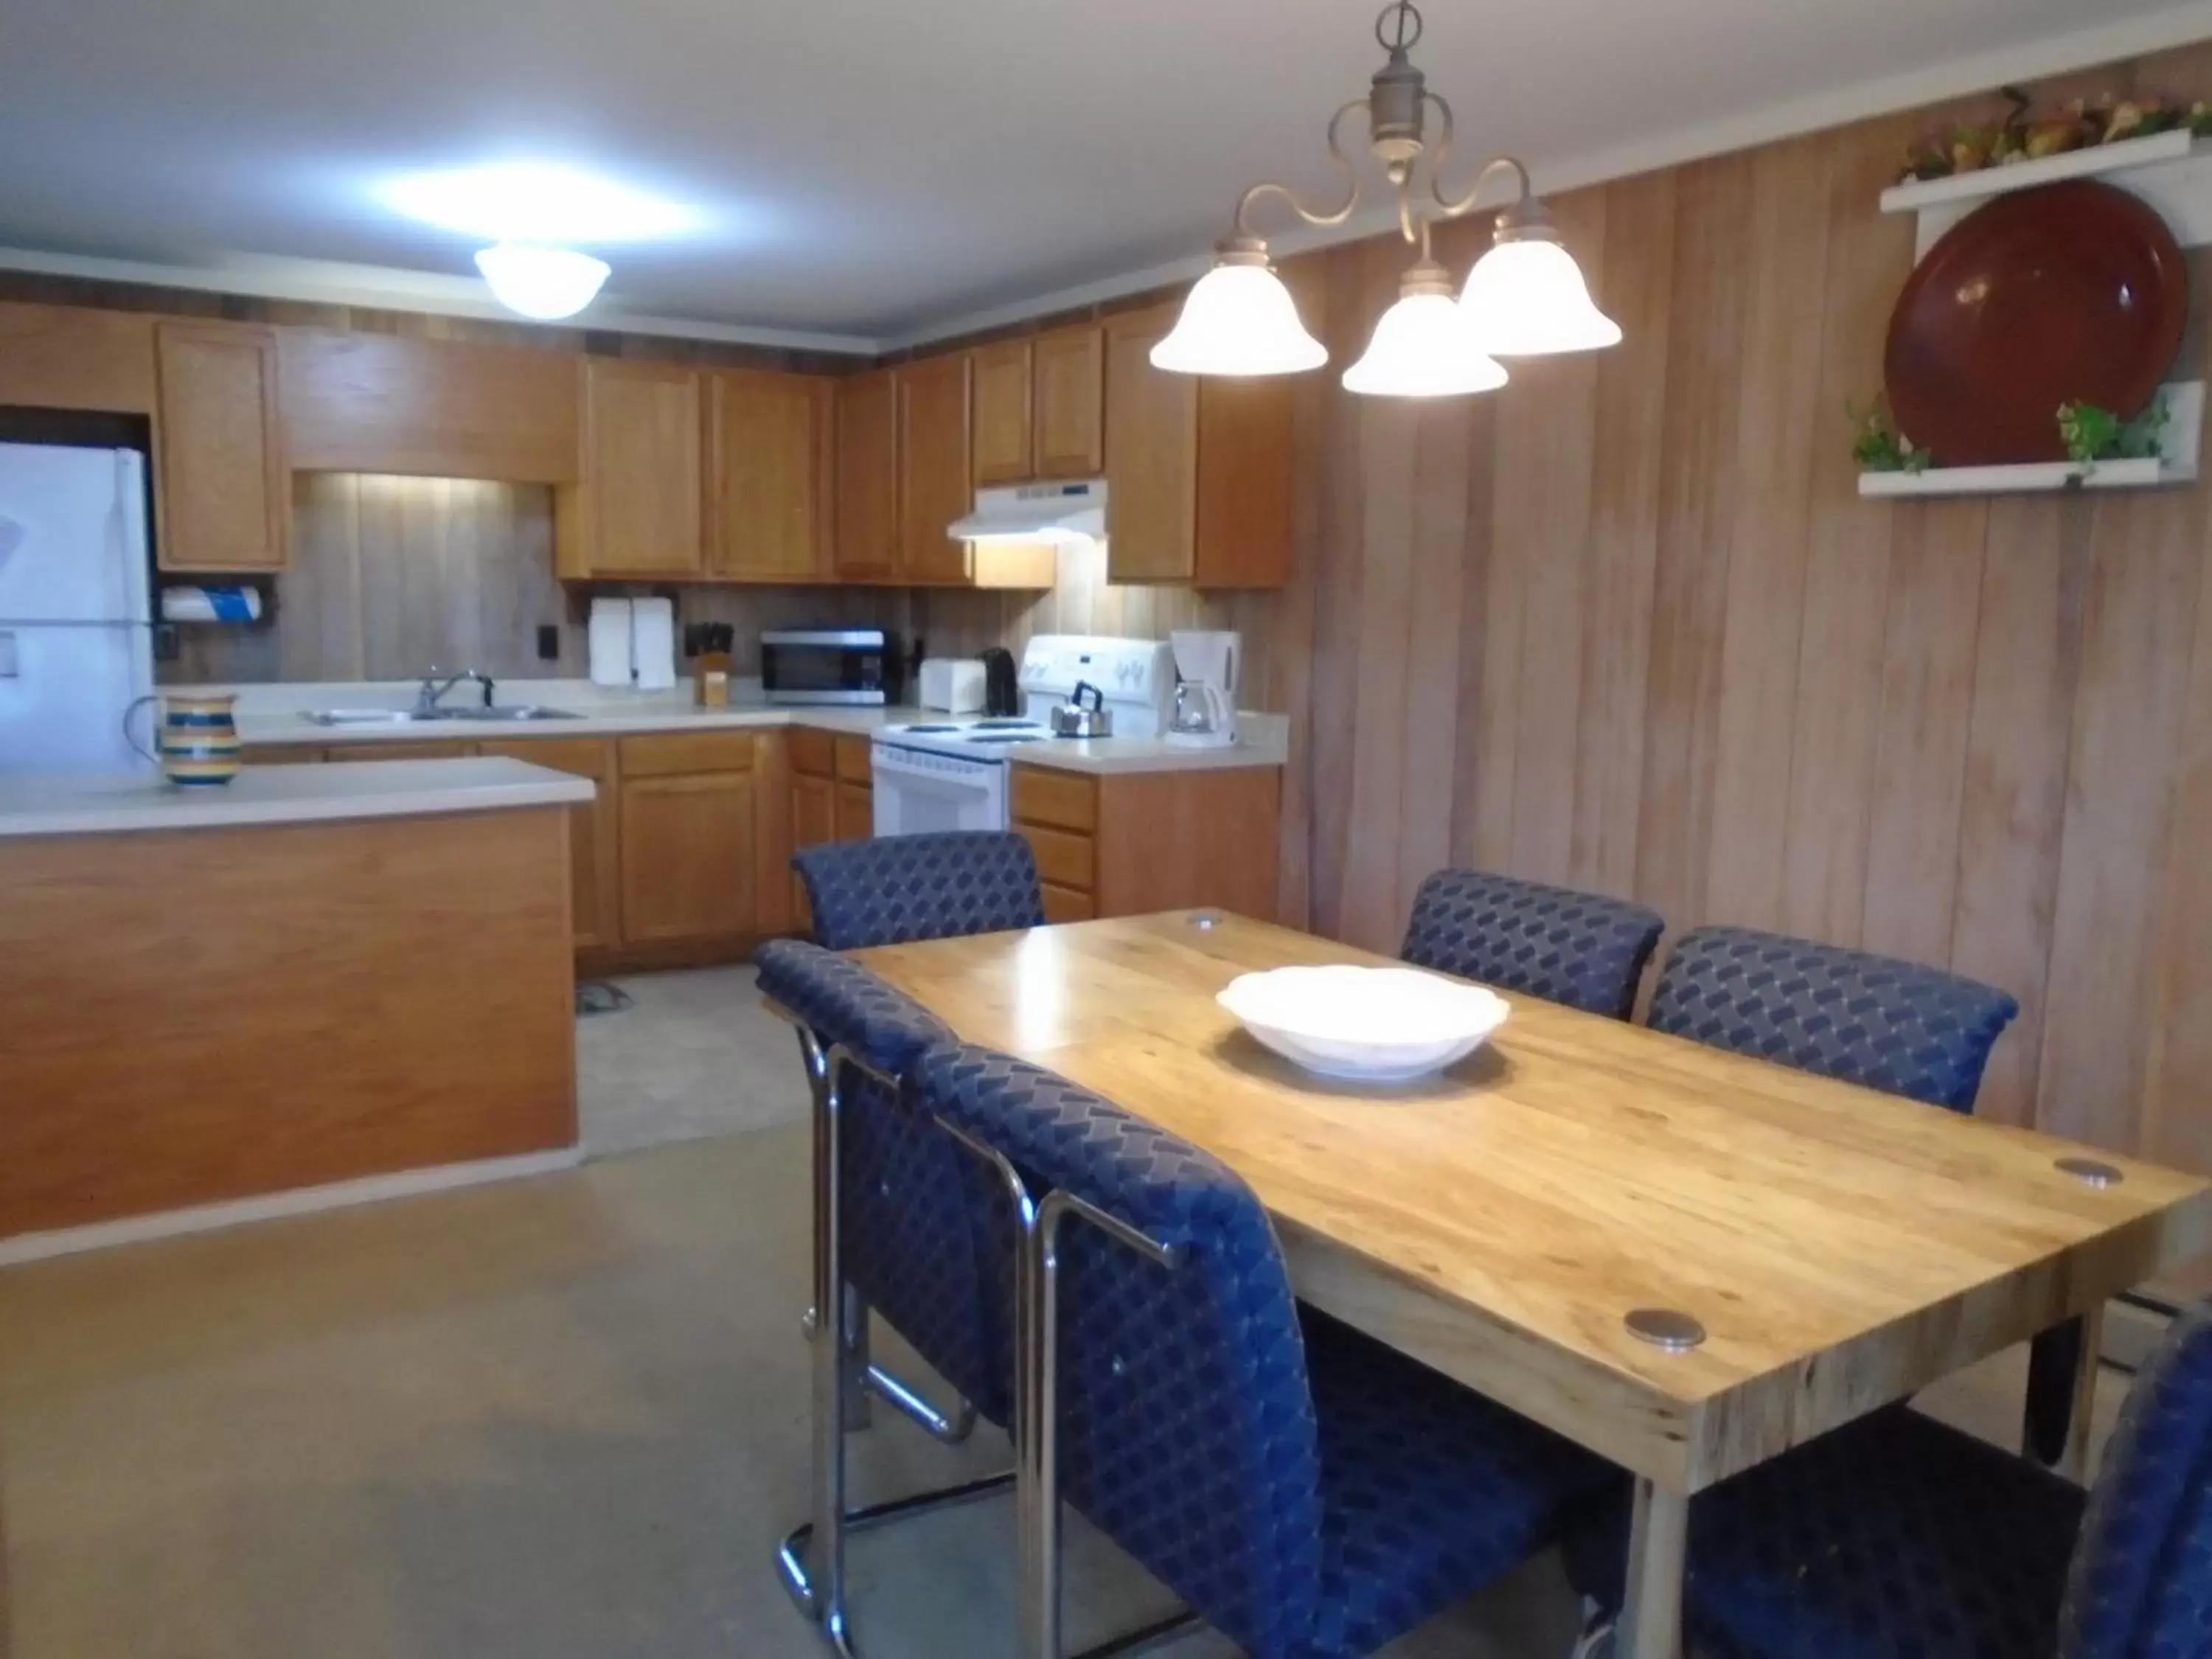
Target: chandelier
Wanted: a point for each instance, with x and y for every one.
(1524, 298)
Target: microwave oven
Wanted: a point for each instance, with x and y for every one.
(854, 665)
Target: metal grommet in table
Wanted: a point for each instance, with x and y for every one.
(2091, 1172)
(1665, 1327)
(1204, 918)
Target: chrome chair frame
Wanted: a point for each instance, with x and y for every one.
(819, 1590)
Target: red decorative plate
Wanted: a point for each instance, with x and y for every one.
(2073, 293)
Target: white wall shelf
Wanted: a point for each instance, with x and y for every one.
(2172, 171)
(2176, 463)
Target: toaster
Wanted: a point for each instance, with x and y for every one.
(954, 684)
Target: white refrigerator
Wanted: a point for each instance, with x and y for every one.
(77, 636)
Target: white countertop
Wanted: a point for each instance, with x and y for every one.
(275, 713)
(280, 794)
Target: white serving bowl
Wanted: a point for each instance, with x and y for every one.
(1368, 1025)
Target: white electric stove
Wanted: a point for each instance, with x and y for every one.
(950, 773)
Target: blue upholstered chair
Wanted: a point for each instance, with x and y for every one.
(898, 888)
(1307, 1491)
(1899, 1536)
(909, 1202)
(1582, 948)
(1891, 1025)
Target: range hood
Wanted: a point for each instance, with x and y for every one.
(1072, 512)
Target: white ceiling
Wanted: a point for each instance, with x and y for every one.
(877, 167)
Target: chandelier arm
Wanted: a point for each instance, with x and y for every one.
(1452, 209)
(1245, 203)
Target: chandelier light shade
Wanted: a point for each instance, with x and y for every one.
(1424, 346)
(1525, 297)
(545, 284)
(1239, 320)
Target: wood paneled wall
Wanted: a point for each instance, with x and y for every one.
(1627, 625)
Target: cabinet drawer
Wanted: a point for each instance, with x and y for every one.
(280, 754)
(1063, 860)
(813, 752)
(664, 754)
(428, 749)
(853, 765)
(1065, 904)
(1062, 798)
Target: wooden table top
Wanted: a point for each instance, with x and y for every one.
(1842, 1247)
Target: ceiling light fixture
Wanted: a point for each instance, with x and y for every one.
(1525, 297)
(528, 211)
(546, 283)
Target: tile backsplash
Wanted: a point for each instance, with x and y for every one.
(389, 575)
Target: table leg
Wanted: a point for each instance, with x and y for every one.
(2073, 1463)
(1658, 1548)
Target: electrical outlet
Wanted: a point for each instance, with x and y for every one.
(548, 642)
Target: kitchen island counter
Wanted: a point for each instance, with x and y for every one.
(280, 794)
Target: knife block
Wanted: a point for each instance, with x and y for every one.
(710, 679)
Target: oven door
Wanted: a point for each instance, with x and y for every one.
(919, 792)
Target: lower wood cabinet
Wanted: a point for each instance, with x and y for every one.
(594, 830)
(1126, 843)
(832, 798)
(687, 867)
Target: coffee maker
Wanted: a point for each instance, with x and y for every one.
(1206, 693)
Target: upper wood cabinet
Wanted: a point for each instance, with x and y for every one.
(440, 408)
(868, 475)
(634, 509)
(1198, 469)
(1002, 373)
(72, 357)
(225, 499)
(934, 471)
(1069, 398)
(769, 462)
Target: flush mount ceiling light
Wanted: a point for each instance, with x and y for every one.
(530, 211)
(1525, 297)
(542, 283)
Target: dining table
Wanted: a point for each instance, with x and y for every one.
(1686, 1259)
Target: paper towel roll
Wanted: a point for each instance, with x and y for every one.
(652, 643)
(609, 635)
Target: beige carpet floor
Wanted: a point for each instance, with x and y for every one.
(694, 1054)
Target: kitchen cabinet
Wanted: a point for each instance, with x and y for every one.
(405, 749)
(1068, 396)
(73, 358)
(867, 528)
(225, 496)
(1198, 468)
(635, 507)
(935, 477)
(832, 797)
(438, 409)
(1003, 375)
(769, 440)
(594, 832)
(1125, 844)
(686, 834)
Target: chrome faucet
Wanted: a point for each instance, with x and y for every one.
(426, 699)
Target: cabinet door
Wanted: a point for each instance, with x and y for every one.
(1152, 456)
(868, 475)
(856, 811)
(767, 456)
(1070, 403)
(224, 488)
(935, 479)
(1002, 414)
(594, 828)
(813, 821)
(687, 856)
(641, 490)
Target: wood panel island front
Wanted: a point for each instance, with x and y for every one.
(314, 976)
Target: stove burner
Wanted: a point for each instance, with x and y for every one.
(1006, 725)
(1009, 737)
(932, 729)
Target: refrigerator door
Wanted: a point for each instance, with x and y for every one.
(72, 535)
(75, 625)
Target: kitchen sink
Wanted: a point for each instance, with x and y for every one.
(529, 711)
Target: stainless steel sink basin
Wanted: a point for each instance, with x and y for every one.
(528, 711)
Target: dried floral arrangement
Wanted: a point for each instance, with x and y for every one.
(2091, 434)
(2027, 135)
